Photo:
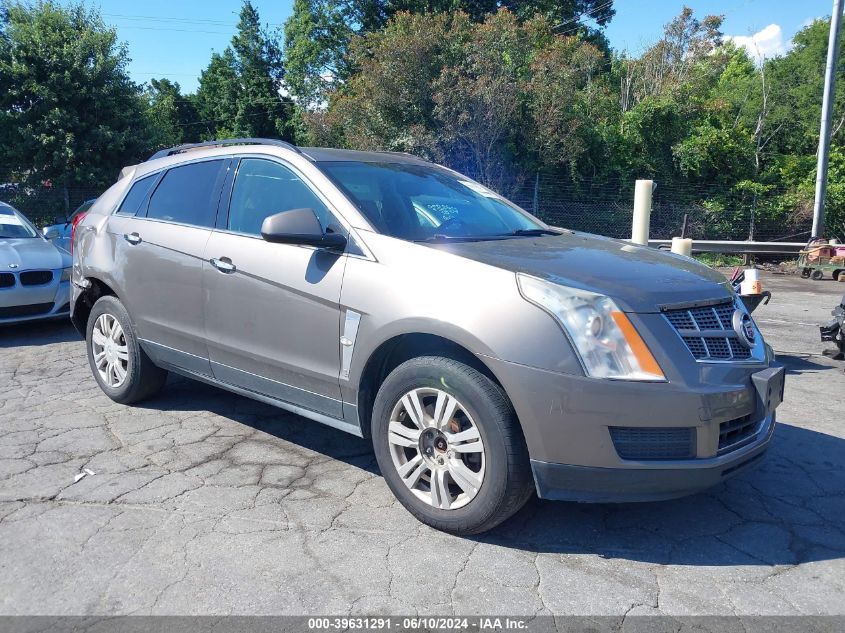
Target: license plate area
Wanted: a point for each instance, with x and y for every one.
(769, 384)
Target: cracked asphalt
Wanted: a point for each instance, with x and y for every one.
(203, 502)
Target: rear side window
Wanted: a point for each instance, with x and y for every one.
(187, 194)
(264, 188)
(137, 193)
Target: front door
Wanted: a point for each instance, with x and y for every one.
(272, 314)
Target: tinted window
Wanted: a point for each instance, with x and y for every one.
(132, 202)
(187, 194)
(417, 202)
(264, 188)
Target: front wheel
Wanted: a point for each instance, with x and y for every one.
(121, 368)
(449, 445)
(817, 275)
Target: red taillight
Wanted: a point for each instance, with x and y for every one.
(79, 217)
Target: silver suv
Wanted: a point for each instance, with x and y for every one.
(485, 353)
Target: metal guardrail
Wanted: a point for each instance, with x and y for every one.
(739, 247)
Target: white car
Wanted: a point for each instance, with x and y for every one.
(34, 272)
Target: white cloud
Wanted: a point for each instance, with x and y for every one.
(765, 43)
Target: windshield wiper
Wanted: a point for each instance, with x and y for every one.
(440, 237)
(532, 232)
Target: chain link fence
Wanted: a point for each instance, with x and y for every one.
(711, 213)
(45, 205)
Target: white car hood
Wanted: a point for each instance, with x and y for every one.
(31, 253)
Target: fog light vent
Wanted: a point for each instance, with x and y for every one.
(651, 443)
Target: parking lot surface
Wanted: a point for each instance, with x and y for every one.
(203, 502)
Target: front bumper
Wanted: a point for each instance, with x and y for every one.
(20, 304)
(665, 480)
(567, 422)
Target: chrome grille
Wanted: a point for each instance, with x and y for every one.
(653, 443)
(708, 331)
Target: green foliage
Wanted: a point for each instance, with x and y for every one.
(496, 99)
(319, 33)
(240, 91)
(69, 115)
(503, 90)
(170, 115)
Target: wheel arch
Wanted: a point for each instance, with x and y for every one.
(403, 347)
(85, 302)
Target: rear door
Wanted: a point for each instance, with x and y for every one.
(160, 250)
(273, 316)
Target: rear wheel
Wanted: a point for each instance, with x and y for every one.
(817, 275)
(121, 368)
(836, 274)
(449, 446)
(805, 273)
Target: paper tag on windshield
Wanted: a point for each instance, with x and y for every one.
(484, 191)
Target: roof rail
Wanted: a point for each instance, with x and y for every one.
(223, 143)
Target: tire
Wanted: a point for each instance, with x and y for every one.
(817, 275)
(805, 273)
(501, 462)
(135, 377)
(836, 274)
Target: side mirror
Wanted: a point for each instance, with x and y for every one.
(50, 232)
(299, 226)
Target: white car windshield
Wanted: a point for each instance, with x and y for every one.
(13, 225)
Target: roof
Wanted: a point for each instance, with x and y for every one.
(316, 154)
(327, 154)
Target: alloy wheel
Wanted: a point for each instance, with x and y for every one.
(437, 448)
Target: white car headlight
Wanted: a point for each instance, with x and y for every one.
(604, 338)
(66, 274)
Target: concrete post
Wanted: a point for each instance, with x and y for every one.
(642, 211)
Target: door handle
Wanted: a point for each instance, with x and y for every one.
(224, 265)
(132, 238)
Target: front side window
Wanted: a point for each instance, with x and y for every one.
(137, 193)
(187, 194)
(264, 188)
(420, 202)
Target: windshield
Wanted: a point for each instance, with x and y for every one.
(424, 202)
(14, 225)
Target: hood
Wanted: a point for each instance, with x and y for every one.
(28, 253)
(639, 278)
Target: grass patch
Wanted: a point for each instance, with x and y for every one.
(719, 260)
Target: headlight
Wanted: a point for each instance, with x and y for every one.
(66, 274)
(603, 336)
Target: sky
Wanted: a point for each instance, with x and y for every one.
(175, 38)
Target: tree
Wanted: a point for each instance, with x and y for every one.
(217, 96)
(316, 35)
(241, 91)
(496, 100)
(261, 110)
(69, 113)
(319, 32)
(170, 114)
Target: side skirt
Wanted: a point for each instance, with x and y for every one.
(335, 423)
